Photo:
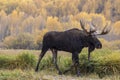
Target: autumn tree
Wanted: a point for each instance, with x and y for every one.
(4, 26)
(116, 28)
(36, 17)
(52, 23)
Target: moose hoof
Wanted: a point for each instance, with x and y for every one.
(36, 70)
(60, 73)
(65, 72)
(78, 74)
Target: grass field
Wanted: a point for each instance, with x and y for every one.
(105, 57)
(45, 75)
(31, 75)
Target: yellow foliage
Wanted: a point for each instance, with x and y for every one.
(99, 21)
(82, 15)
(2, 13)
(8, 41)
(107, 10)
(39, 36)
(53, 24)
(116, 28)
(39, 16)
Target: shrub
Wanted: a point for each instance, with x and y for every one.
(22, 41)
(9, 42)
(5, 61)
(25, 60)
(108, 65)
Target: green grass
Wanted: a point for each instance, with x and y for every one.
(18, 74)
(20, 66)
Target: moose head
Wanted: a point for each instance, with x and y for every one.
(93, 41)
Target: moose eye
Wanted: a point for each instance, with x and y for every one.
(93, 35)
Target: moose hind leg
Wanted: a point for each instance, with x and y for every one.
(54, 52)
(40, 58)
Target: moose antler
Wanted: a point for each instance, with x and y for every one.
(82, 26)
(92, 28)
(104, 31)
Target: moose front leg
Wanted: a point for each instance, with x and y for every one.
(88, 55)
(90, 49)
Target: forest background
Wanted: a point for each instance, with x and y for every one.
(24, 22)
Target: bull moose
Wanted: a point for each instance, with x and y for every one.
(73, 41)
